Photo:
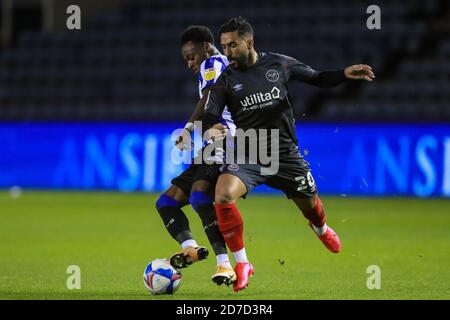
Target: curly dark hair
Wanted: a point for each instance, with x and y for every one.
(197, 34)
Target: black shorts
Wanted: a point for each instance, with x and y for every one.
(196, 172)
(293, 177)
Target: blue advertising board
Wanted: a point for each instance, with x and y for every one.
(350, 159)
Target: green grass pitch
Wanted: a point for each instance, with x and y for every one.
(112, 237)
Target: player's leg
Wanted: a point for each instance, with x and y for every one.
(313, 210)
(169, 207)
(229, 189)
(201, 199)
(294, 178)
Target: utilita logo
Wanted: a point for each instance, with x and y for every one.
(260, 98)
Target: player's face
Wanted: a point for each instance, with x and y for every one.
(193, 54)
(237, 49)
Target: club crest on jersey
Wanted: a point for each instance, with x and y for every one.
(272, 75)
(233, 167)
(210, 74)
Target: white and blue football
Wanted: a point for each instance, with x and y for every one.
(161, 278)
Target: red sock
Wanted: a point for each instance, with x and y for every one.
(316, 215)
(231, 225)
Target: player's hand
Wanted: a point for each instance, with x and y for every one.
(216, 132)
(222, 131)
(184, 141)
(359, 72)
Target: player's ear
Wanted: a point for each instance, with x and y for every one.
(250, 44)
(206, 47)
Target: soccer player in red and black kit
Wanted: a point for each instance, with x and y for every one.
(265, 75)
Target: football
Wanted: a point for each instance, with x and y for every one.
(161, 278)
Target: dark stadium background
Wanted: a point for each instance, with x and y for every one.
(94, 109)
(125, 62)
(124, 66)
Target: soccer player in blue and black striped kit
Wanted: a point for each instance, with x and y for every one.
(196, 184)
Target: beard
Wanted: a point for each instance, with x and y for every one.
(240, 63)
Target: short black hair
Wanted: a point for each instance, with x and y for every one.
(197, 34)
(239, 24)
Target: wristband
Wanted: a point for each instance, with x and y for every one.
(189, 126)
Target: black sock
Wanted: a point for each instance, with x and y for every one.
(202, 204)
(174, 218)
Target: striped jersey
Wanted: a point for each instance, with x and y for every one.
(210, 70)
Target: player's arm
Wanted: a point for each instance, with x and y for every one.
(209, 74)
(198, 112)
(334, 78)
(215, 103)
(184, 141)
(299, 71)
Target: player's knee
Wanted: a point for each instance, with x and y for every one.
(224, 198)
(199, 199)
(201, 186)
(166, 201)
(306, 204)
